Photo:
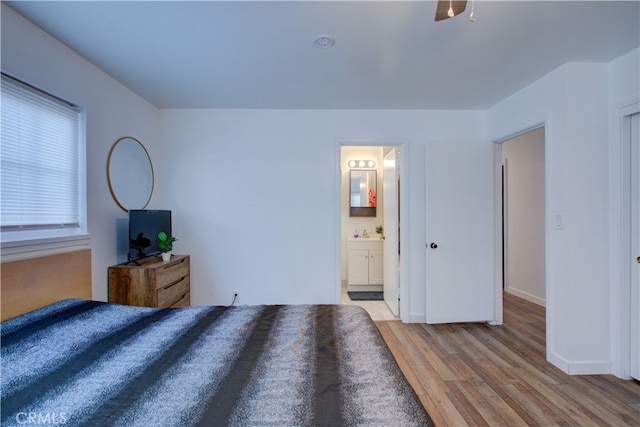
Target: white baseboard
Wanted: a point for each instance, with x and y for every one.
(524, 295)
(581, 367)
(416, 318)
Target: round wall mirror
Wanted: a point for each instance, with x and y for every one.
(130, 174)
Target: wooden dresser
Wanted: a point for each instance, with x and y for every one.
(153, 283)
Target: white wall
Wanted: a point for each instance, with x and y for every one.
(233, 179)
(624, 79)
(112, 111)
(572, 102)
(523, 158)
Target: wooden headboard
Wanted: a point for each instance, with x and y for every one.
(33, 283)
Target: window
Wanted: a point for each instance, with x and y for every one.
(42, 165)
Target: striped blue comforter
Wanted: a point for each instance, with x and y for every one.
(80, 362)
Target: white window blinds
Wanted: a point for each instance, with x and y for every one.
(40, 163)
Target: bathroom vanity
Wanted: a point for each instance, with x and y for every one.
(364, 264)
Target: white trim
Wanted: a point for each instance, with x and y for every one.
(634, 273)
(594, 367)
(403, 194)
(498, 227)
(25, 249)
(526, 296)
(619, 235)
(503, 186)
(337, 227)
(415, 318)
(521, 131)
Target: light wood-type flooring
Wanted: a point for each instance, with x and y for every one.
(480, 375)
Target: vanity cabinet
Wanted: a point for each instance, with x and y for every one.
(152, 283)
(364, 264)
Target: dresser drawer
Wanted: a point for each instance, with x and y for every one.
(185, 301)
(170, 295)
(171, 272)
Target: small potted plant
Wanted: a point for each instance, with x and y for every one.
(379, 231)
(165, 243)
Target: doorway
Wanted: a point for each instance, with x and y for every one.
(523, 214)
(385, 272)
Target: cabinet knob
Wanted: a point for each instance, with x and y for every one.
(433, 245)
(638, 260)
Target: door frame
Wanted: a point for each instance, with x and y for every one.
(505, 218)
(391, 183)
(499, 218)
(403, 193)
(620, 238)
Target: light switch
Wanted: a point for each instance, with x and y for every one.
(558, 222)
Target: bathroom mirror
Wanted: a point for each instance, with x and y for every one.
(130, 174)
(362, 193)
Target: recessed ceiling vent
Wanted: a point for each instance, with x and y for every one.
(324, 42)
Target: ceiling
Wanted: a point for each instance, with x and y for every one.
(387, 54)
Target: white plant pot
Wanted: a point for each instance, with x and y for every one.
(166, 256)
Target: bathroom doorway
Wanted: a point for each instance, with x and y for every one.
(381, 273)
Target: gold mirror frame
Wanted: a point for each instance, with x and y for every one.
(133, 164)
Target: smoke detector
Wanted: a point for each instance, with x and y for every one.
(324, 42)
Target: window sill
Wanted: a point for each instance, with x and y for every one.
(24, 249)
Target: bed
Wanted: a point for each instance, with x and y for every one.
(83, 362)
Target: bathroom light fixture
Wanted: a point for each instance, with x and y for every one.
(362, 164)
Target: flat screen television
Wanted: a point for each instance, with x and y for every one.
(144, 226)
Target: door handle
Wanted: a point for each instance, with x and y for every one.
(433, 245)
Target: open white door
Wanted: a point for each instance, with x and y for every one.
(460, 232)
(391, 247)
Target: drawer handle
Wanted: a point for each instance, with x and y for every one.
(171, 285)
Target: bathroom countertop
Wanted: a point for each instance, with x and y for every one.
(364, 239)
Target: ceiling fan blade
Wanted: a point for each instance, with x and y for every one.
(442, 8)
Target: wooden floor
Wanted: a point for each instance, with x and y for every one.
(475, 374)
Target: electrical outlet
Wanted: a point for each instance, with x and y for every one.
(236, 297)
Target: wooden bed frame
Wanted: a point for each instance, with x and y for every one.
(33, 283)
